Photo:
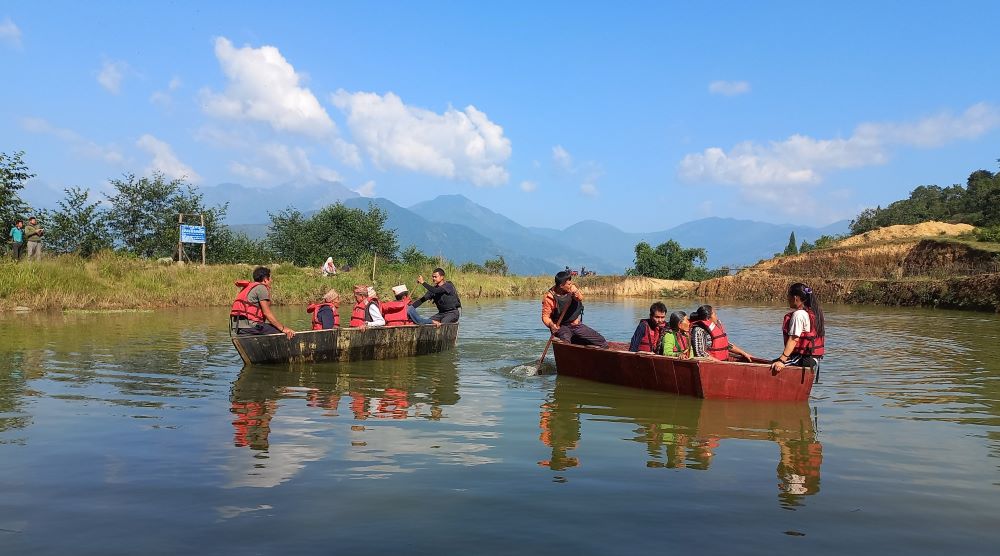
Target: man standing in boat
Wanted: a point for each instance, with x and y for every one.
(562, 313)
(251, 312)
(445, 298)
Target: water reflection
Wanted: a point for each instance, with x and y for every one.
(685, 433)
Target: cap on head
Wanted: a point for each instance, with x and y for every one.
(361, 289)
(399, 290)
(331, 296)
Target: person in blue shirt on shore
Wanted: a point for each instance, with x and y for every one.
(17, 240)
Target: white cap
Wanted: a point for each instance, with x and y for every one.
(399, 290)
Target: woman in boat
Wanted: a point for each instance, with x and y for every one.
(803, 330)
(324, 314)
(677, 338)
(709, 338)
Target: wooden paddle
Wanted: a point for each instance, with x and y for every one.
(552, 335)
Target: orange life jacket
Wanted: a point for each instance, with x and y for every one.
(651, 340)
(719, 348)
(808, 343)
(395, 312)
(243, 308)
(359, 316)
(314, 309)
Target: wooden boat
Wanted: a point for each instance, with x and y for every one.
(702, 377)
(346, 344)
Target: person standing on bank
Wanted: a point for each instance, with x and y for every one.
(33, 235)
(564, 299)
(445, 298)
(251, 312)
(803, 330)
(649, 332)
(17, 240)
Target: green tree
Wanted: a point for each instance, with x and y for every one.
(806, 247)
(411, 256)
(78, 226)
(344, 233)
(13, 175)
(496, 266)
(237, 247)
(791, 248)
(669, 261)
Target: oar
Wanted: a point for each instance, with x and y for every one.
(552, 335)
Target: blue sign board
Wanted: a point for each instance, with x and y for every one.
(192, 234)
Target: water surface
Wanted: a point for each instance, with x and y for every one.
(143, 432)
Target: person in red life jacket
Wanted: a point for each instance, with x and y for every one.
(251, 311)
(709, 338)
(564, 299)
(647, 335)
(366, 312)
(324, 314)
(445, 298)
(397, 313)
(803, 330)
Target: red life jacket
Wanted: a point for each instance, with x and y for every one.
(314, 309)
(359, 316)
(808, 343)
(719, 348)
(651, 339)
(243, 308)
(395, 312)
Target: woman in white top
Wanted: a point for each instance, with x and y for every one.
(328, 268)
(804, 330)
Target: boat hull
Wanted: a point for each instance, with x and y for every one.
(346, 344)
(701, 378)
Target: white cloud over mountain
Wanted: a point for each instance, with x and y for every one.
(456, 144)
(262, 86)
(78, 144)
(165, 160)
(772, 169)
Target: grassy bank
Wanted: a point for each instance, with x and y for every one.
(109, 281)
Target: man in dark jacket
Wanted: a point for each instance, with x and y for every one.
(445, 298)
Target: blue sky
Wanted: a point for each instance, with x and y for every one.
(643, 115)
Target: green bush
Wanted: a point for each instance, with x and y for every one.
(991, 235)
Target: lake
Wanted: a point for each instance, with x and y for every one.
(142, 433)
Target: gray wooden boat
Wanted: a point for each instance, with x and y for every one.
(346, 344)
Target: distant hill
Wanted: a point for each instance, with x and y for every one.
(246, 204)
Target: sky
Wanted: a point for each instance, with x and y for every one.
(642, 115)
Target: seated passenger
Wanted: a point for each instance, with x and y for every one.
(329, 269)
(677, 339)
(649, 332)
(562, 313)
(324, 313)
(397, 313)
(251, 310)
(708, 336)
(366, 312)
(803, 330)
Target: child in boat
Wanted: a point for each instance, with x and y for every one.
(677, 338)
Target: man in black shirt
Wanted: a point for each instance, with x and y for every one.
(444, 295)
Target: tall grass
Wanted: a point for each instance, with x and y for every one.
(114, 281)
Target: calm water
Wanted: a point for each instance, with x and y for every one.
(129, 433)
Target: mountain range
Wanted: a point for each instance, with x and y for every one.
(461, 230)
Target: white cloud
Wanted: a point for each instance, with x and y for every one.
(366, 190)
(254, 173)
(461, 145)
(774, 169)
(10, 33)
(263, 86)
(729, 88)
(346, 153)
(561, 158)
(589, 190)
(165, 98)
(79, 145)
(165, 161)
(528, 186)
(111, 75)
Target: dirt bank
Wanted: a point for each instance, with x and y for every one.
(903, 231)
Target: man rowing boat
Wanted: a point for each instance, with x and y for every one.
(562, 313)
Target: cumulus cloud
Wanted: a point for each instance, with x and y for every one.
(253, 173)
(262, 86)
(79, 144)
(729, 88)
(561, 158)
(528, 186)
(165, 161)
(588, 190)
(10, 34)
(111, 75)
(347, 153)
(772, 169)
(366, 190)
(164, 98)
(457, 144)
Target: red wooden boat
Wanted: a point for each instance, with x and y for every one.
(701, 377)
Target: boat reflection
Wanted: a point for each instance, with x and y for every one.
(684, 433)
